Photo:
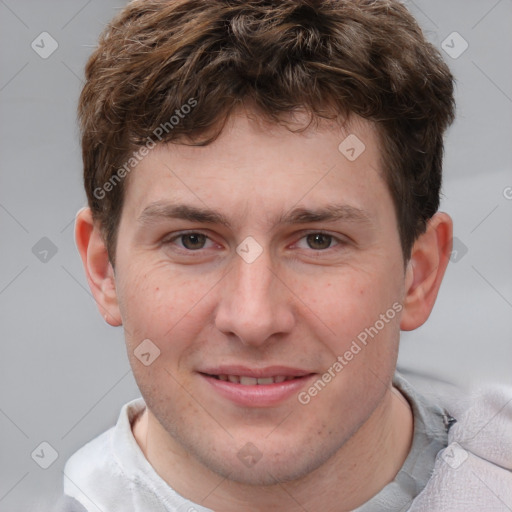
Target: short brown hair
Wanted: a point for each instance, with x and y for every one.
(363, 57)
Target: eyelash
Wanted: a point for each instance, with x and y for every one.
(338, 242)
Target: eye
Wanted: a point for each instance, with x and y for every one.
(193, 241)
(190, 241)
(318, 241)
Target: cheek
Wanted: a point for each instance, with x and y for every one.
(362, 311)
(349, 302)
(361, 358)
(164, 307)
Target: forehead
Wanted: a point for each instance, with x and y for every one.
(266, 168)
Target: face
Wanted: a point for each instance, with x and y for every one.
(265, 255)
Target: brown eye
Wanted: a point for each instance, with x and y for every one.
(319, 241)
(193, 241)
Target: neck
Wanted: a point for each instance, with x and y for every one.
(365, 464)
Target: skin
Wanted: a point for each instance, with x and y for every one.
(301, 303)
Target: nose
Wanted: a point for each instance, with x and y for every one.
(255, 304)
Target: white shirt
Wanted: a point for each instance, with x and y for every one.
(463, 468)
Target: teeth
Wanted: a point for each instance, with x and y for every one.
(266, 380)
(252, 381)
(248, 381)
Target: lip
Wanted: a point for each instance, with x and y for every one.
(268, 371)
(266, 395)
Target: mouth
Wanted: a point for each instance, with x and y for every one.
(245, 380)
(256, 387)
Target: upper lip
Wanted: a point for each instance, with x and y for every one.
(268, 371)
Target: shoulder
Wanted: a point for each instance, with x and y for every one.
(110, 473)
(91, 460)
(67, 504)
(474, 472)
(96, 475)
(484, 424)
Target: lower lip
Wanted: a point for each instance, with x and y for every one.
(265, 395)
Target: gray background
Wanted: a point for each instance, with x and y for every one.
(64, 373)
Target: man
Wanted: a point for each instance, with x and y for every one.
(263, 184)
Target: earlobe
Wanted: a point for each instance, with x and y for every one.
(97, 266)
(425, 270)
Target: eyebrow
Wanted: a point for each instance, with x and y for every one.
(160, 211)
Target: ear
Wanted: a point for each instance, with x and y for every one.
(425, 270)
(98, 269)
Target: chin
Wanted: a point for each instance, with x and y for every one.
(269, 467)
